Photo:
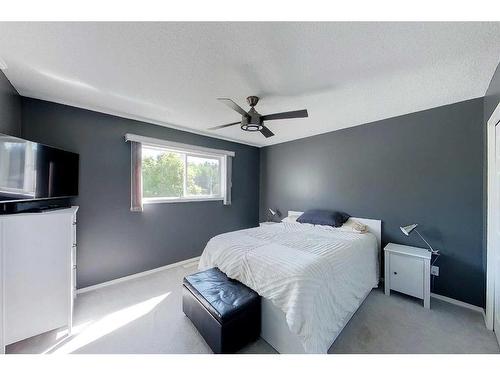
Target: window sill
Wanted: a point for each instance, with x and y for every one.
(179, 200)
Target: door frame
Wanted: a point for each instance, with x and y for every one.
(492, 216)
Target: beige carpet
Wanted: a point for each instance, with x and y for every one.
(144, 316)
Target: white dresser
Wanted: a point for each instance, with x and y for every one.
(37, 273)
(407, 270)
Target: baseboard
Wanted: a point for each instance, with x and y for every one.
(455, 302)
(458, 303)
(183, 263)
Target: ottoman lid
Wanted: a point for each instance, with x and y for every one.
(222, 297)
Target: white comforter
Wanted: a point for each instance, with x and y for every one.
(317, 275)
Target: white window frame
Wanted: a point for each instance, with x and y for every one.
(189, 150)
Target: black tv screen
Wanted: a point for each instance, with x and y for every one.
(30, 170)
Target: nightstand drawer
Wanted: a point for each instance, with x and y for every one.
(407, 275)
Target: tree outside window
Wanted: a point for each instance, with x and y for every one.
(170, 174)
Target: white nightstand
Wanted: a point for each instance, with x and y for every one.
(408, 270)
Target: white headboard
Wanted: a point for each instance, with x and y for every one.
(374, 226)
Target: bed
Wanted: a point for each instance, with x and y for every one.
(312, 278)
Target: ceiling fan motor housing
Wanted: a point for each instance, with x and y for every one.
(253, 122)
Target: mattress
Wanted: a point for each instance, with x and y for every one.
(316, 275)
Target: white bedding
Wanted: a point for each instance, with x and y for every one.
(317, 275)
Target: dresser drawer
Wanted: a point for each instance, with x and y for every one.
(407, 275)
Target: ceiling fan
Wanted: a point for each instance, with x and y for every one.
(253, 121)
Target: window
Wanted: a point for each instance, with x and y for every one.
(173, 175)
(165, 171)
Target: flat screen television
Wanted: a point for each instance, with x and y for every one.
(32, 171)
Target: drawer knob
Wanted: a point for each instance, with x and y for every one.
(395, 273)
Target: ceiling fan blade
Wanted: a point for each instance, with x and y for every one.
(266, 132)
(224, 126)
(233, 105)
(284, 115)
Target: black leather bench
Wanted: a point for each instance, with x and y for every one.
(225, 312)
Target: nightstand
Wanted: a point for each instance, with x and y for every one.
(408, 270)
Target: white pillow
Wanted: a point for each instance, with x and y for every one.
(290, 219)
(354, 226)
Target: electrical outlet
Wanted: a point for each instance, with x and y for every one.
(435, 270)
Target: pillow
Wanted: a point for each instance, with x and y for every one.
(353, 226)
(290, 219)
(323, 217)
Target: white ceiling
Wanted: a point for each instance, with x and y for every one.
(345, 74)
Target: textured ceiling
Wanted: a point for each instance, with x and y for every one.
(345, 74)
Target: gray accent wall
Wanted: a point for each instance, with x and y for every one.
(112, 241)
(10, 108)
(424, 167)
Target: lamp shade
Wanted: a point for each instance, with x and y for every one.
(407, 229)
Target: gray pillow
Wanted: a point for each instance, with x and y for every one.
(323, 217)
